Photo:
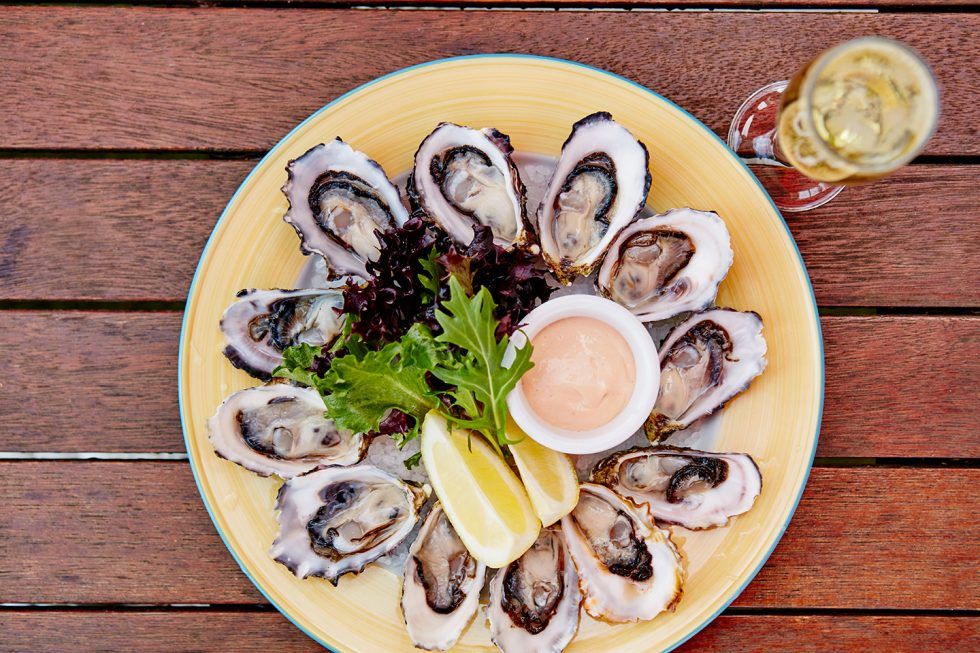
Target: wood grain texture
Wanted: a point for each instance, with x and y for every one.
(134, 230)
(137, 533)
(261, 632)
(896, 386)
(597, 4)
(234, 79)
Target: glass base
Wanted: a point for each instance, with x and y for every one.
(752, 136)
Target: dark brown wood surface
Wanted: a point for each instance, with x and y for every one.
(136, 228)
(234, 79)
(123, 132)
(262, 632)
(863, 537)
(896, 386)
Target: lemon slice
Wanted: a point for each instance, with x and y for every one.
(548, 476)
(482, 497)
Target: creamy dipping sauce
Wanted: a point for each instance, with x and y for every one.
(583, 375)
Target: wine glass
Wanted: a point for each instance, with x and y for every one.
(855, 113)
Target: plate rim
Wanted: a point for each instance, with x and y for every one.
(500, 55)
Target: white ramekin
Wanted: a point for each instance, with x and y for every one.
(645, 392)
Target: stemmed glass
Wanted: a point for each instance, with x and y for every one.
(856, 112)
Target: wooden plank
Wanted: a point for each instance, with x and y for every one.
(896, 386)
(77, 381)
(189, 631)
(137, 533)
(922, 5)
(234, 79)
(134, 230)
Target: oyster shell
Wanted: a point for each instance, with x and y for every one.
(629, 570)
(705, 361)
(338, 198)
(668, 264)
(465, 176)
(260, 324)
(599, 185)
(281, 429)
(691, 488)
(535, 600)
(336, 520)
(442, 584)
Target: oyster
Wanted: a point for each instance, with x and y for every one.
(465, 177)
(629, 569)
(691, 488)
(336, 520)
(260, 324)
(668, 264)
(338, 198)
(442, 584)
(534, 601)
(281, 429)
(705, 361)
(599, 185)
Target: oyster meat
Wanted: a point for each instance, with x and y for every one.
(534, 601)
(599, 185)
(465, 177)
(705, 361)
(668, 264)
(629, 569)
(691, 488)
(338, 199)
(281, 429)
(442, 584)
(336, 520)
(260, 324)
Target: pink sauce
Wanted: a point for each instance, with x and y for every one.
(583, 374)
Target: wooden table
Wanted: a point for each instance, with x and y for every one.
(125, 129)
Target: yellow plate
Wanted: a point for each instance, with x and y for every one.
(534, 100)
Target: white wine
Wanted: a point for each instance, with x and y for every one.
(857, 112)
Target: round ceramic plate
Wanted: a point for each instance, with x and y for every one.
(535, 101)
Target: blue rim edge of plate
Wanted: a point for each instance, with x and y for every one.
(244, 184)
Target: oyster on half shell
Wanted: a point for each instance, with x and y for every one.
(668, 264)
(705, 361)
(629, 569)
(534, 601)
(442, 584)
(260, 324)
(691, 488)
(281, 429)
(338, 199)
(465, 177)
(336, 520)
(599, 185)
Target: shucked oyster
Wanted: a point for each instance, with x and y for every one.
(336, 520)
(695, 489)
(668, 264)
(465, 177)
(628, 568)
(534, 601)
(338, 199)
(281, 429)
(599, 185)
(705, 361)
(442, 584)
(260, 324)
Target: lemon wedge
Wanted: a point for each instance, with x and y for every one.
(484, 500)
(548, 475)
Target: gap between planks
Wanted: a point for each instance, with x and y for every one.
(179, 154)
(267, 607)
(152, 306)
(838, 462)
